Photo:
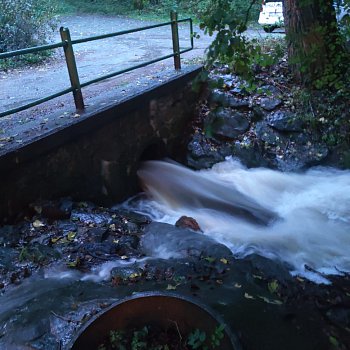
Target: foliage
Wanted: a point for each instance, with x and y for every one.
(150, 338)
(110, 7)
(230, 45)
(24, 23)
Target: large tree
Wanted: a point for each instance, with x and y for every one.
(315, 48)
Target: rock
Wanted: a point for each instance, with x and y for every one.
(124, 272)
(129, 242)
(339, 316)
(228, 124)
(67, 226)
(201, 154)
(270, 104)
(258, 114)
(271, 90)
(266, 134)
(284, 121)
(235, 102)
(98, 234)
(188, 222)
(250, 154)
(134, 217)
(298, 156)
(219, 98)
(167, 241)
(53, 210)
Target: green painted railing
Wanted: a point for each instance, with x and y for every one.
(67, 45)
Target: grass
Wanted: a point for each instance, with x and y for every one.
(121, 8)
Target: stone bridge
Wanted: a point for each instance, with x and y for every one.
(97, 156)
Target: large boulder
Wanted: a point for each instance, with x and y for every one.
(227, 124)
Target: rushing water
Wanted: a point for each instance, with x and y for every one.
(300, 218)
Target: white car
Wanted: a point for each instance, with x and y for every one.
(271, 14)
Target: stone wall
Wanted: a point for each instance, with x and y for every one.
(97, 158)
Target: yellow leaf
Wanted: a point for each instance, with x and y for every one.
(55, 239)
(273, 286)
(134, 275)
(257, 277)
(224, 261)
(71, 235)
(124, 257)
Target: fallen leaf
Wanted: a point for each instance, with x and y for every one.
(124, 257)
(71, 235)
(248, 296)
(273, 286)
(237, 285)
(38, 223)
(209, 259)
(224, 261)
(270, 301)
(76, 115)
(170, 287)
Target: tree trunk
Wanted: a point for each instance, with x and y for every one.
(314, 43)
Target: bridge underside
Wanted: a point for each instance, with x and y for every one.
(96, 157)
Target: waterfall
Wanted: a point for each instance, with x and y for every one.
(299, 218)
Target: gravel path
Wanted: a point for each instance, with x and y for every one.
(94, 59)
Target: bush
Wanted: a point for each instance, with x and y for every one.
(25, 23)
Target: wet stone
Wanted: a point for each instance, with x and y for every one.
(201, 154)
(67, 226)
(269, 104)
(250, 154)
(98, 234)
(188, 222)
(134, 217)
(7, 258)
(339, 316)
(284, 121)
(269, 135)
(270, 90)
(91, 218)
(229, 124)
(129, 241)
(9, 235)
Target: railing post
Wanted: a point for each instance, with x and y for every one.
(72, 68)
(175, 37)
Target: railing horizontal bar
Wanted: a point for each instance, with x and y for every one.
(186, 50)
(35, 103)
(111, 75)
(31, 50)
(104, 36)
(184, 20)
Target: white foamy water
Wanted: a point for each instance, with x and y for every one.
(300, 218)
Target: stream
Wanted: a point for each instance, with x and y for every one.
(272, 257)
(302, 219)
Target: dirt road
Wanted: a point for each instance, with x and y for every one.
(94, 58)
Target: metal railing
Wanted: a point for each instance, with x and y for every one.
(67, 45)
